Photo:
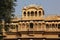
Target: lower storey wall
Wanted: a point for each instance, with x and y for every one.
(31, 39)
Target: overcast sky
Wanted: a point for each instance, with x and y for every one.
(51, 7)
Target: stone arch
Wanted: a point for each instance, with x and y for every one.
(28, 13)
(32, 13)
(39, 13)
(24, 13)
(35, 13)
(23, 24)
(53, 25)
(31, 25)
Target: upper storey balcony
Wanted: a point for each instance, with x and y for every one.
(32, 12)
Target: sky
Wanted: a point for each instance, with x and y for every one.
(51, 7)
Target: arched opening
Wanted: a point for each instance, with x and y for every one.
(27, 25)
(53, 25)
(31, 25)
(28, 13)
(39, 25)
(39, 13)
(24, 13)
(32, 13)
(35, 13)
(23, 25)
(47, 25)
(56, 25)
